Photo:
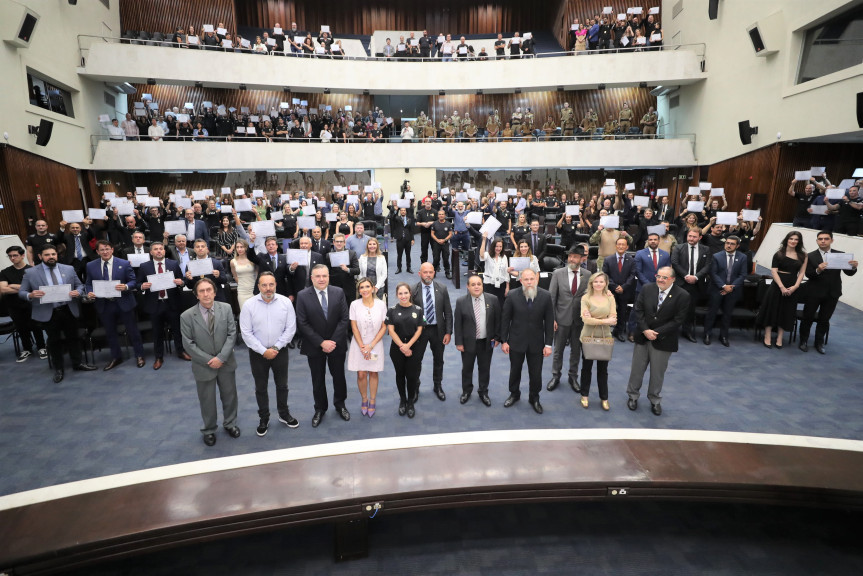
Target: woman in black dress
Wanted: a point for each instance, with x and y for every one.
(779, 309)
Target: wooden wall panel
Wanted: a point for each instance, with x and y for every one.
(569, 10)
(167, 15)
(603, 102)
(27, 175)
(448, 16)
(170, 96)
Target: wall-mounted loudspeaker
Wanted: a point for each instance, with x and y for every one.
(42, 132)
(713, 9)
(26, 20)
(746, 132)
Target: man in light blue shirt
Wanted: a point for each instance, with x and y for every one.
(357, 241)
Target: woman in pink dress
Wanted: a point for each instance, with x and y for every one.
(366, 353)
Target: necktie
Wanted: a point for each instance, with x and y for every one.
(529, 303)
(429, 306)
(655, 262)
(105, 271)
(661, 298)
(477, 314)
(620, 265)
(140, 250)
(54, 280)
(79, 253)
(728, 272)
(162, 293)
(274, 263)
(533, 248)
(324, 305)
(211, 320)
(574, 288)
(692, 260)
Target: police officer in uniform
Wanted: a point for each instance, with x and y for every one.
(41, 238)
(567, 121)
(625, 118)
(548, 128)
(441, 233)
(648, 121)
(493, 127)
(527, 124)
(609, 127)
(426, 216)
(470, 129)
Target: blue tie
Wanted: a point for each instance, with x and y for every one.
(78, 250)
(324, 305)
(430, 319)
(105, 271)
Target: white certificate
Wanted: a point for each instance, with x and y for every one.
(694, 191)
(73, 216)
(654, 10)
(221, 31)
(415, 42)
(818, 210)
(263, 229)
(838, 261)
(306, 222)
(498, 190)
(368, 189)
(490, 226)
(331, 216)
(97, 213)
(243, 205)
(609, 190)
(355, 199)
(658, 229)
(656, 37)
(461, 196)
(612, 221)
(173, 227)
(198, 195)
(277, 31)
(403, 203)
(184, 203)
(208, 28)
(845, 184)
(106, 288)
(163, 281)
(408, 196)
(641, 40)
(572, 209)
(339, 258)
(325, 29)
(58, 293)
(226, 209)
(694, 206)
(727, 218)
(301, 257)
(502, 197)
(200, 267)
(625, 40)
(153, 202)
(606, 9)
(137, 259)
(123, 207)
(354, 187)
(717, 192)
(752, 215)
(519, 263)
(294, 203)
(473, 218)
(835, 194)
(662, 192)
(276, 215)
(642, 201)
(803, 175)
(705, 186)
(609, 182)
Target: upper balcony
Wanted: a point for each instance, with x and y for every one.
(109, 60)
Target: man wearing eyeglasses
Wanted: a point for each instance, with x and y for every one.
(726, 288)
(660, 311)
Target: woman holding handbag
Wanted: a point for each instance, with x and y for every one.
(599, 313)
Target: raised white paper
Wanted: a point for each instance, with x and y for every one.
(73, 216)
(694, 206)
(835, 193)
(609, 182)
(106, 288)
(838, 261)
(642, 201)
(200, 267)
(571, 209)
(97, 213)
(502, 197)
(751, 215)
(137, 259)
(608, 190)
(694, 191)
(301, 257)
(817, 170)
(610, 221)
(226, 209)
(818, 209)
(331, 216)
(461, 196)
(519, 263)
(717, 192)
(306, 222)
(726, 218)
(339, 258)
(658, 229)
(173, 227)
(802, 175)
(243, 205)
(276, 215)
(123, 207)
(705, 185)
(625, 40)
(661, 192)
(473, 218)
(490, 226)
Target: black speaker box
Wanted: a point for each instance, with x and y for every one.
(746, 132)
(860, 109)
(44, 135)
(713, 9)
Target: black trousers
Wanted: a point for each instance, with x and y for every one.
(318, 367)
(425, 240)
(822, 307)
(696, 295)
(622, 301)
(63, 324)
(403, 246)
(163, 315)
(439, 250)
(407, 371)
(850, 227)
(29, 331)
(499, 292)
(261, 373)
(726, 304)
(432, 337)
(112, 315)
(534, 372)
(601, 377)
(482, 356)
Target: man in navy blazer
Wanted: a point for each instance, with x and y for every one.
(163, 306)
(726, 288)
(272, 261)
(322, 318)
(648, 261)
(218, 275)
(195, 229)
(691, 263)
(58, 319)
(117, 309)
(299, 277)
(620, 269)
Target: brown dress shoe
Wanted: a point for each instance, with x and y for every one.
(157, 364)
(112, 364)
(185, 356)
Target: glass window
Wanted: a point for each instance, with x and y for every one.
(44, 94)
(833, 45)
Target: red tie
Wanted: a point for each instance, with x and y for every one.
(655, 263)
(162, 293)
(619, 265)
(574, 282)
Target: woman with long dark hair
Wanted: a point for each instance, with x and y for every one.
(779, 310)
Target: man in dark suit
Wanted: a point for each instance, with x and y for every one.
(527, 331)
(825, 288)
(137, 246)
(59, 319)
(476, 322)
(298, 274)
(344, 276)
(163, 306)
(77, 240)
(691, 263)
(195, 229)
(273, 262)
(726, 287)
(433, 298)
(218, 275)
(659, 311)
(322, 318)
(620, 269)
(319, 244)
(566, 288)
(116, 309)
(402, 230)
(181, 253)
(537, 241)
(648, 261)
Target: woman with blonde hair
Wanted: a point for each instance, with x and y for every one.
(245, 272)
(599, 313)
(373, 266)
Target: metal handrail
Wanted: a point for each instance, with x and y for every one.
(699, 49)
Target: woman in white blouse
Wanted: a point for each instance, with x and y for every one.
(495, 277)
(373, 266)
(523, 251)
(326, 135)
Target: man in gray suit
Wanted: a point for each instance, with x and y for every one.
(209, 333)
(567, 287)
(59, 319)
